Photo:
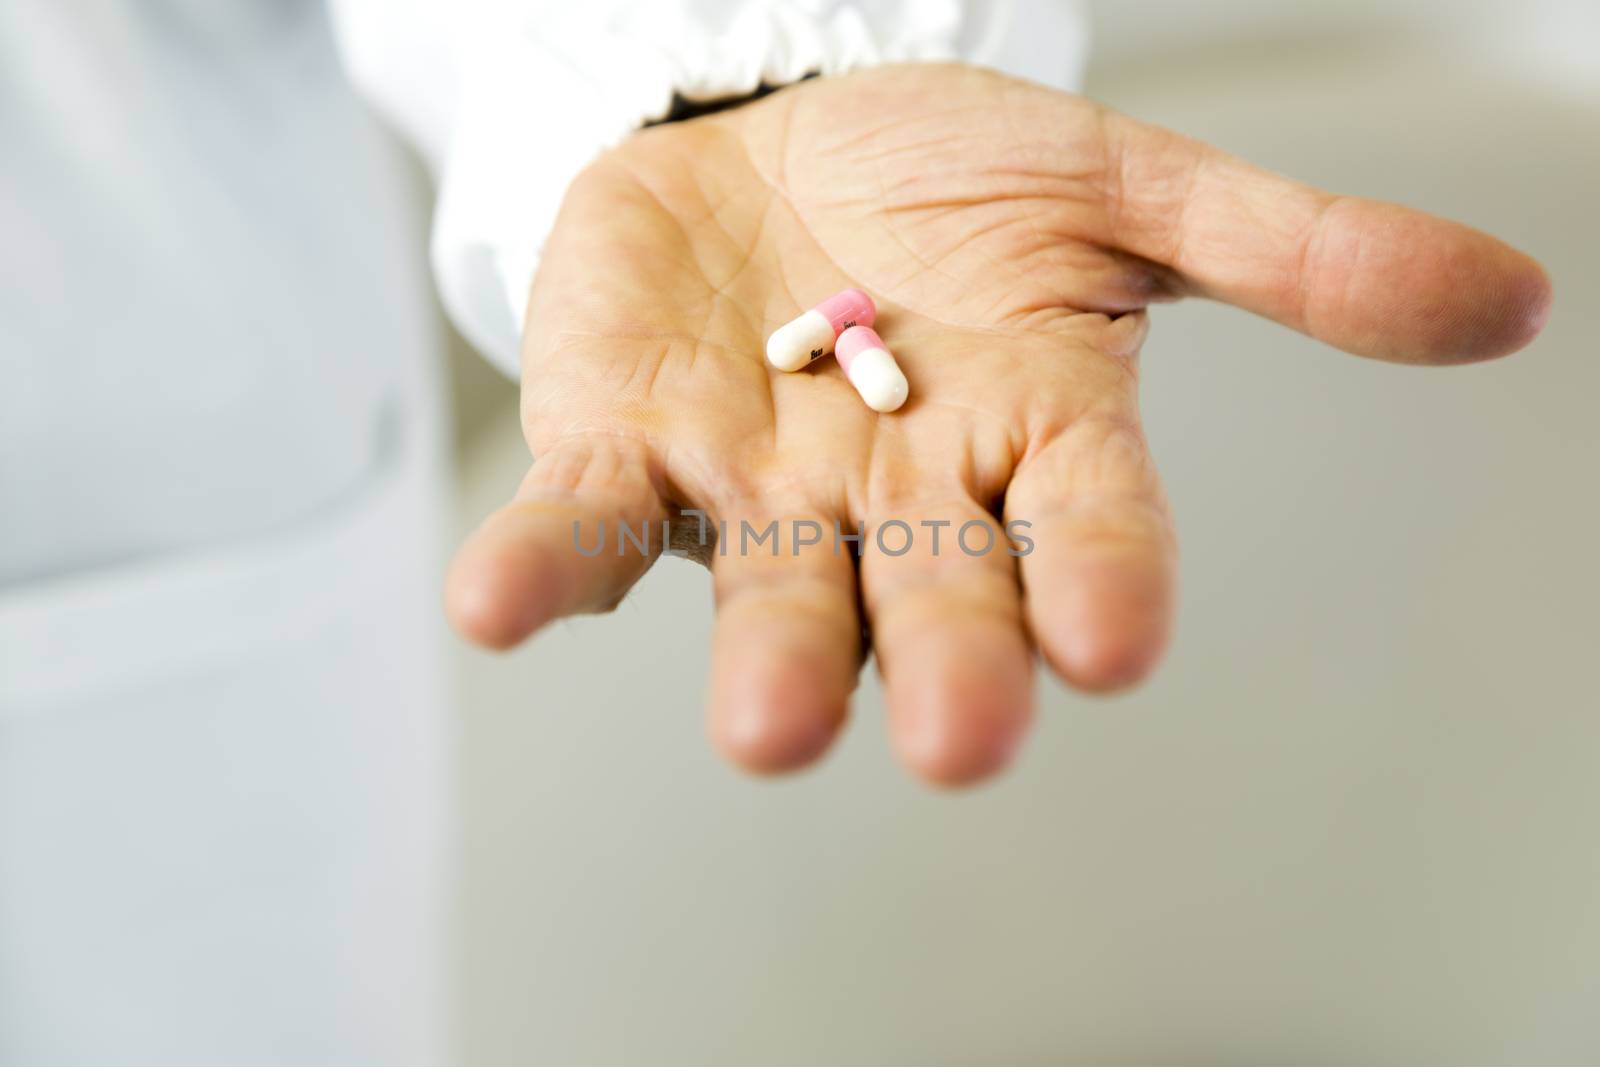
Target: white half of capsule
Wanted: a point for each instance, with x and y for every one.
(799, 341)
(879, 380)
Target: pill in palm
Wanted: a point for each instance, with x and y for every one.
(872, 369)
(803, 340)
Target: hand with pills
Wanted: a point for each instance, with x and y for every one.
(977, 254)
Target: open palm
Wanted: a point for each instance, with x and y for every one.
(1012, 236)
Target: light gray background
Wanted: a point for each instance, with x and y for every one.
(1354, 820)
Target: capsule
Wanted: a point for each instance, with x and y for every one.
(804, 340)
(871, 369)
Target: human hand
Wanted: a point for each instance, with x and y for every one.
(1012, 236)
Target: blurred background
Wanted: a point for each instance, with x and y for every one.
(1353, 821)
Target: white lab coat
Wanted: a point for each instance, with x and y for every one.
(222, 741)
(222, 709)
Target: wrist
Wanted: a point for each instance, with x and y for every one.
(685, 109)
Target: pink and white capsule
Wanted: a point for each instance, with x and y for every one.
(871, 369)
(800, 341)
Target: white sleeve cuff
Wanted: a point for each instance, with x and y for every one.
(541, 93)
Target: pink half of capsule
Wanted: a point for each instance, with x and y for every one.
(803, 340)
(872, 369)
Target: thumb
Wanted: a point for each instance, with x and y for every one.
(1371, 278)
